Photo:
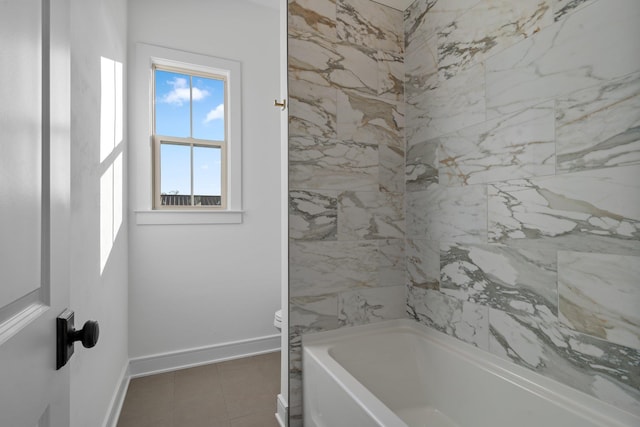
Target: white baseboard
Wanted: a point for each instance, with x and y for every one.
(282, 415)
(115, 407)
(172, 361)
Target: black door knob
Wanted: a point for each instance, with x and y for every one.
(88, 335)
(67, 335)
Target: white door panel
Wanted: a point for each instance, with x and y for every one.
(34, 210)
(20, 159)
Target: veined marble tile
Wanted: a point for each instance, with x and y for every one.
(313, 215)
(328, 164)
(295, 353)
(367, 23)
(487, 28)
(391, 168)
(368, 118)
(370, 215)
(463, 320)
(313, 53)
(599, 127)
(595, 211)
(295, 401)
(589, 47)
(312, 108)
(421, 66)
(295, 378)
(320, 267)
(448, 213)
(391, 262)
(295, 350)
(424, 18)
(423, 263)
(607, 371)
(371, 305)
(455, 104)
(313, 314)
(355, 68)
(312, 99)
(514, 280)
(562, 8)
(600, 295)
(391, 75)
(313, 16)
(516, 146)
(414, 20)
(421, 168)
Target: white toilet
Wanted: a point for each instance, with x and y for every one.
(277, 320)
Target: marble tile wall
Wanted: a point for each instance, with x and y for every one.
(346, 170)
(523, 184)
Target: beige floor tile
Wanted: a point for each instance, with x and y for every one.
(203, 407)
(150, 396)
(271, 376)
(260, 419)
(246, 388)
(144, 421)
(239, 376)
(249, 402)
(151, 382)
(195, 381)
(196, 418)
(235, 393)
(272, 358)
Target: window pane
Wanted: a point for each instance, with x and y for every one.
(172, 104)
(207, 174)
(208, 109)
(175, 174)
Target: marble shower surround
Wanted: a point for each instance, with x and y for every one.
(346, 170)
(521, 174)
(523, 184)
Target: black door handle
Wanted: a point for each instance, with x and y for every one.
(88, 335)
(66, 335)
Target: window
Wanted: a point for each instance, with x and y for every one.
(190, 139)
(198, 140)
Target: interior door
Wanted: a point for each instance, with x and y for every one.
(34, 210)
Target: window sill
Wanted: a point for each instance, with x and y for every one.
(167, 217)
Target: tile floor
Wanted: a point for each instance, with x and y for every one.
(236, 393)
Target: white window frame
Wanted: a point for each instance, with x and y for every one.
(142, 132)
(189, 142)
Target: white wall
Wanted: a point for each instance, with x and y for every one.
(203, 285)
(99, 260)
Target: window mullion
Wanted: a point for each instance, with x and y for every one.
(193, 197)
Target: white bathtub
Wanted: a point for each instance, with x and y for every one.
(400, 373)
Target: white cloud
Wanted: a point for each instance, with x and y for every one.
(215, 114)
(180, 92)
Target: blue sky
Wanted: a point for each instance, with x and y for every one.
(173, 119)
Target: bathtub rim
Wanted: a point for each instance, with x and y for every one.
(368, 402)
(318, 345)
